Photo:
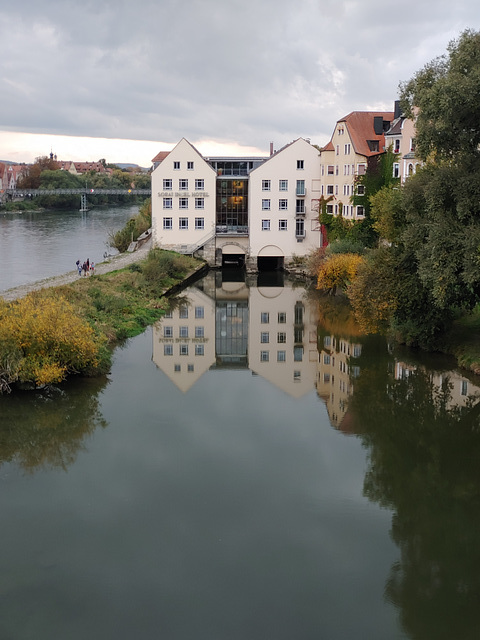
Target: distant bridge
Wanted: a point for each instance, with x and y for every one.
(31, 193)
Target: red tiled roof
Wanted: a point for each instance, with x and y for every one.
(160, 156)
(360, 125)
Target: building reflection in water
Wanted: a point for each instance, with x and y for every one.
(337, 369)
(265, 325)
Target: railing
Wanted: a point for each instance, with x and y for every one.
(232, 229)
(189, 249)
(22, 193)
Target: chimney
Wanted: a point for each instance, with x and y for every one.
(271, 148)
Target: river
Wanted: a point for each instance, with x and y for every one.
(252, 467)
(41, 244)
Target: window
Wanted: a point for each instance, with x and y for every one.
(326, 359)
(396, 146)
(282, 225)
(167, 184)
(178, 368)
(265, 205)
(298, 354)
(199, 312)
(396, 170)
(183, 332)
(300, 206)
(360, 210)
(300, 164)
(183, 223)
(464, 389)
(176, 165)
(183, 312)
(199, 203)
(330, 208)
(299, 228)
(190, 367)
(264, 356)
(199, 332)
(265, 185)
(281, 337)
(282, 317)
(190, 165)
(168, 314)
(282, 204)
(337, 150)
(168, 332)
(329, 189)
(361, 169)
(283, 185)
(183, 184)
(199, 223)
(297, 376)
(360, 190)
(167, 223)
(199, 349)
(300, 188)
(413, 143)
(264, 317)
(347, 149)
(184, 349)
(264, 337)
(281, 356)
(167, 203)
(330, 170)
(265, 225)
(168, 349)
(183, 203)
(199, 184)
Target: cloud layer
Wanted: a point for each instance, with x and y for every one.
(249, 72)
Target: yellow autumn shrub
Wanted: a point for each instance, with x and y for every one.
(338, 271)
(42, 340)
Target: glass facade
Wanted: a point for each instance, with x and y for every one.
(232, 205)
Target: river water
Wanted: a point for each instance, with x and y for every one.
(252, 467)
(41, 244)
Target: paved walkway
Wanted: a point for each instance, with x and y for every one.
(115, 262)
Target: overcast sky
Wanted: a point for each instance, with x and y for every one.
(223, 74)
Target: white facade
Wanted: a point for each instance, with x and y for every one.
(183, 200)
(283, 208)
(223, 212)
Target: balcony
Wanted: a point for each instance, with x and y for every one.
(231, 229)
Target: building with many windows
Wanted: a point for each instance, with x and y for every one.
(257, 211)
(358, 139)
(401, 138)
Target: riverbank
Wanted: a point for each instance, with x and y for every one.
(41, 342)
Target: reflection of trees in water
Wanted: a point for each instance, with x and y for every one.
(424, 464)
(48, 429)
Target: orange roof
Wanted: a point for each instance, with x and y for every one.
(361, 128)
(360, 125)
(160, 156)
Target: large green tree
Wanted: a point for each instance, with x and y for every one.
(442, 203)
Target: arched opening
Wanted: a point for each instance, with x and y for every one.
(233, 257)
(270, 258)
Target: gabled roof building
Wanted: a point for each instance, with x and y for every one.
(357, 138)
(238, 210)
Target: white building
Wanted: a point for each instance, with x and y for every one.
(240, 210)
(401, 138)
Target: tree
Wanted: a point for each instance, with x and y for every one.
(337, 271)
(31, 174)
(443, 96)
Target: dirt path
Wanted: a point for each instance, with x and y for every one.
(115, 262)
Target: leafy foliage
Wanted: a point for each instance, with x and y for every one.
(337, 271)
(133, 228)
(42, 340)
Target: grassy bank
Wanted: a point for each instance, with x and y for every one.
(37, 348)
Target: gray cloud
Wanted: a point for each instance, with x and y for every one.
(247, 72)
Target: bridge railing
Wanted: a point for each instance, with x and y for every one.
(22, 193)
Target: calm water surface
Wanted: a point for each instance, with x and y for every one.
(252, 467)
(38, 245)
